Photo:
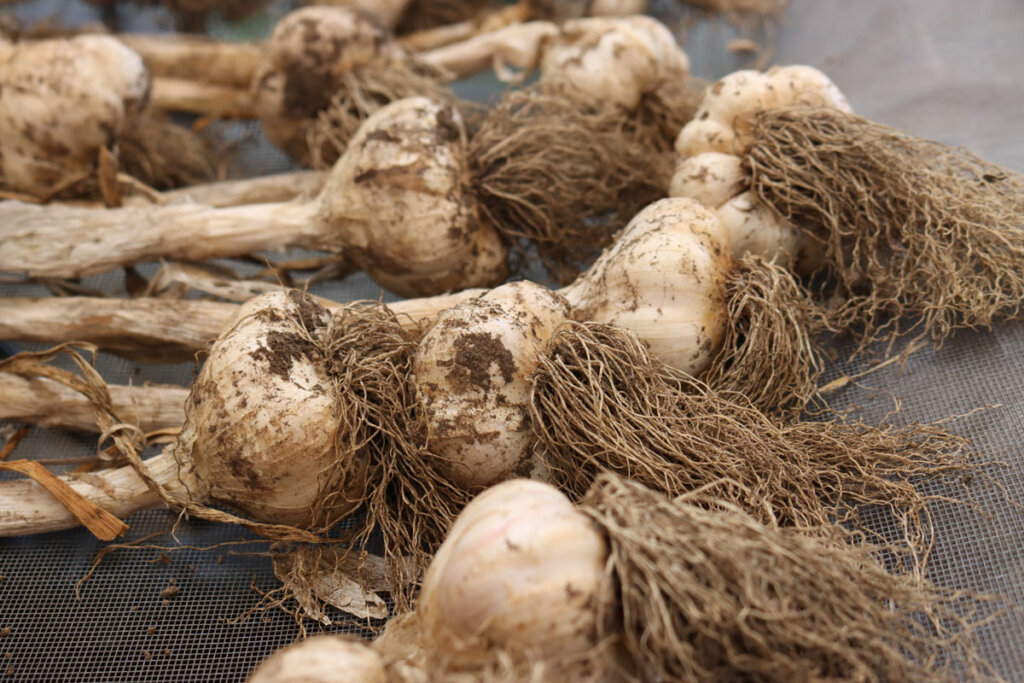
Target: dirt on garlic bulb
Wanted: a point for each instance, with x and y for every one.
(307, 58)
(472, 378)
(712, 146)
(61, 102)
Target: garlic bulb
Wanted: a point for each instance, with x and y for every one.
(322, 659)
(61, 101)
(711, 149)
(260, 422)
(472, 378)
(664, 280)
(616, 60)
(400, 200)
(522, 571)
(305, 61)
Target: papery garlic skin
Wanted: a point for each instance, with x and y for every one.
(712, 146)
(663, 279)
(305, 62)
(61, 101)
(385, 13)
(400, 203)
(260, 422)
(613, 60)
(521, 571)
(472, 378)
(322, 659)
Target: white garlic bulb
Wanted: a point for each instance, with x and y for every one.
(305, 62)
(61, 101)
(472, 377)
(400, 201)
(712, 146)
(616, 60)
(521, 571)
(322, 659)
(260, 422)
(663, 279)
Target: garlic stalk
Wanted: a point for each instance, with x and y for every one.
(44, 402)
(394, 204)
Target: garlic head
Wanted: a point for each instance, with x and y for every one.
(664, 280)
(613, 59)
(472, 378)
(61, 101)
(399, 203)
(521, 571)
(322, 659)
(305, 62)
(260, 420)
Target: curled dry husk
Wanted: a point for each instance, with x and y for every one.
(912, 228)
(601, 403)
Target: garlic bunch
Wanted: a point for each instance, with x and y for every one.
(61, 102)
(613, 60)
(711, 150)
(321, 659)
(472, 377)
(522, 571)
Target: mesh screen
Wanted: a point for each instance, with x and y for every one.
(932, 72)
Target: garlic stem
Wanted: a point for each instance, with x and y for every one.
(46, 403)
(28, 508)
(517, 46)
(205, 99)
(64, 241)
(281, 187)
(159, 330)
(196, 58)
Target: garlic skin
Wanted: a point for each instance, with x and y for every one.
(664, 280)
(322, 659)
(260, 421)
(711, 150)
(305, 62)
(563, 10)
(400, 203)
(61, 101)
(472, 378)
(385, 13)
(616, 60)
(521, 571)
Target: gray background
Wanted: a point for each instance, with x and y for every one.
(945, 69)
